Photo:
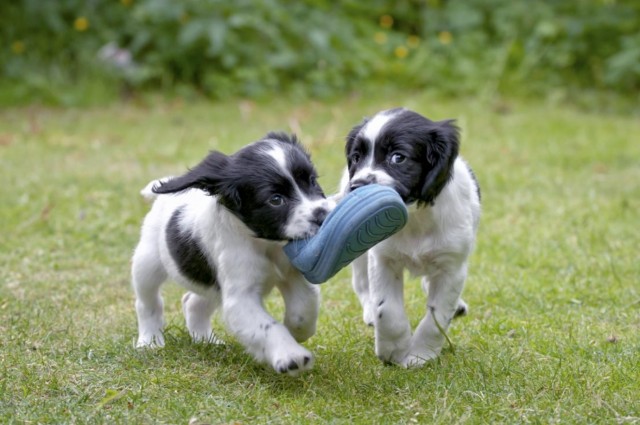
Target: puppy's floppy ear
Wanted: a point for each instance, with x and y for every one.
(283, 137)
(209, 175)
(441, 151)
(351, 138)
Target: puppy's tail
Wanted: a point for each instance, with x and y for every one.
(147, 192)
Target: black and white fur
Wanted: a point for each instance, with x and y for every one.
(419, 159)
(218, 230)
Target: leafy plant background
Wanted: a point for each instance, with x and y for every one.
(315, 47)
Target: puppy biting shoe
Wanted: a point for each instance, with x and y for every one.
(365, 217)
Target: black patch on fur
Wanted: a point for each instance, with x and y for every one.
(186, 252)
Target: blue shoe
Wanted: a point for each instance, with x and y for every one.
(365, 217)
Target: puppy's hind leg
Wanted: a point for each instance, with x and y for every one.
(148, 274)
(360, 282)
(392, 328)
(197, 311)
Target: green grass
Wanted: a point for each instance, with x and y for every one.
(553, 333)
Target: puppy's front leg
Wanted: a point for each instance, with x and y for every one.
(443, 304)
(392, 329)
(263, 336)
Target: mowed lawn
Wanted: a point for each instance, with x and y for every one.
(553, 333)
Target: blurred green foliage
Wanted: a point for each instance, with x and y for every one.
(319, 47)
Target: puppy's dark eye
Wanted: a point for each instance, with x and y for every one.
(355, 158)
(397, 158)
(277, 201)
(313, 182)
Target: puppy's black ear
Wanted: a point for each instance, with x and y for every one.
(351, 138)
(441, 151)
(209, 175)
(283, 137)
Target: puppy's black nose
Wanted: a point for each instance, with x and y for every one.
(362, 182)
(319, 214)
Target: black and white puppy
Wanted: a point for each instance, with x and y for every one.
(419, 159)
(218, 230)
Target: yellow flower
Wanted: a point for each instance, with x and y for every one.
(81, 24)
(445, 37)
(126, 2)
(413, 41)
(380, 38)
(401, 52)
(17, 47)
(386, 21)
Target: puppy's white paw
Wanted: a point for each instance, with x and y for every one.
(206, 338)
(292, 361)
(393, 350)
(150, 340)
(418, 358)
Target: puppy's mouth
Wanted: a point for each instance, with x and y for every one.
(311, 228)
(402, 190)
(307, 234)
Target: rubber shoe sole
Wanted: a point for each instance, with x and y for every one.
(364, 218)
